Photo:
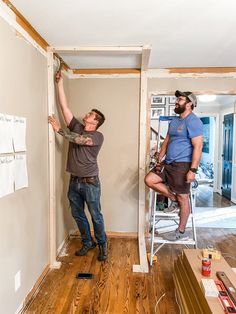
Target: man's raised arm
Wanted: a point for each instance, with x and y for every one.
(67, 114)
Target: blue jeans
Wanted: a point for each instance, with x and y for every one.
(80, 193)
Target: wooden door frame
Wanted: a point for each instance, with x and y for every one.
(218, 133)
(144, 51)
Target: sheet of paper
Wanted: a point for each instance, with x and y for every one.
(6, 175)
(19, 134)
(20, 170)
(6, 133)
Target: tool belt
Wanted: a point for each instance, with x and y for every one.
(89, 180)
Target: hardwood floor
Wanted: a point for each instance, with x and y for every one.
(115, 289)
(206, 198)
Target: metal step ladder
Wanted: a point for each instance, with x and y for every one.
(156, 216)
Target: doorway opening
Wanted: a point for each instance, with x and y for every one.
(214, 208)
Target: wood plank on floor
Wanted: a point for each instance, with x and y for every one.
(115, 289)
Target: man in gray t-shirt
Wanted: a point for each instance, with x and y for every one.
(84, 187)
(82, 159)
(182, 149)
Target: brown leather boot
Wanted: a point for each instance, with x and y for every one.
(103, 251)
(85, 248)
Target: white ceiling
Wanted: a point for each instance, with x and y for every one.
(221, 101)
(182, 33)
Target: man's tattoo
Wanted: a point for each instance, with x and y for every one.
(74, 137)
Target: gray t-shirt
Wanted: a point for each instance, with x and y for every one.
(82, 159)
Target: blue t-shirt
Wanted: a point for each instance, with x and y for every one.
(181, 131)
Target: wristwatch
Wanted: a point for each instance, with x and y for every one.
(194, 170)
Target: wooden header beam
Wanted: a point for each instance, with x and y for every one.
(202, 70)
(107, 71)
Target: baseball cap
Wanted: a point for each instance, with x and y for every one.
(189, 95)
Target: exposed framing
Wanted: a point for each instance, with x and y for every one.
(107, 71)
(210, 72)
(143, 266)
(144, 51)
(52, 189)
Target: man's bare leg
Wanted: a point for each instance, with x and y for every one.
(154, 182)
(183, 200)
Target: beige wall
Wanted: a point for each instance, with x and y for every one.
(24, 214)
(118, 99)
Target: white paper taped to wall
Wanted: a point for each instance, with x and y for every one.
(6, 133)
(19, 134)
(20, 172)
(6, 175)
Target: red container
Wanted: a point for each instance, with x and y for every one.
(206, 267)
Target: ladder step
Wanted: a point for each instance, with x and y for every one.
(161, 240)
(156, 216)
(166, 215)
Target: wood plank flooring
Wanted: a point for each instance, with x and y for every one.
(115, 289)
(206, 198)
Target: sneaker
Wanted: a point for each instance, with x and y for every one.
(175, 236)
(85, 248)
(173, 208)
(103, 251)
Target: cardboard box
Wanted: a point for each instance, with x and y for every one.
(187, 277)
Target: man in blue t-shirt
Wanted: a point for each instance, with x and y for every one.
(182, 149)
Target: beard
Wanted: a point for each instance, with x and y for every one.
(180, 109)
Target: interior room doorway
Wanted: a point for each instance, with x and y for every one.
(213, 200)
(227, 155)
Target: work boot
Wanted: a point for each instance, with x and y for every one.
(85, 248)
(103, 251)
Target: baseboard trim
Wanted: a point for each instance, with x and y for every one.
(110, 234)
(63, 243)
(33, 292)
(233, 200)
(114, 234)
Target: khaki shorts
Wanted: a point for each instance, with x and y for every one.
(174, 175)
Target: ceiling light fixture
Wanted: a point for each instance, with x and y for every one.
(207, 98)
